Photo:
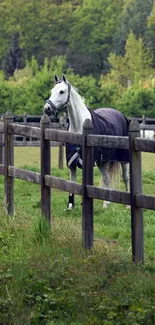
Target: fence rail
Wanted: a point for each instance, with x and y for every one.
(26, 118)
(135, 198)
(27, 134)
(31, 139)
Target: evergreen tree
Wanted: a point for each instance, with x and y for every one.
(13, 59)
(91, 33)
(136, 65)
(150, 34)
(134, 17)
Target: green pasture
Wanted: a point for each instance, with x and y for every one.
(47, 278)
(31, 157)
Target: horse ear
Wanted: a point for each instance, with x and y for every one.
(64, 78)
(56, 78)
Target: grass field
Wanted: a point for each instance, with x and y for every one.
(46, 276)
(23, 155)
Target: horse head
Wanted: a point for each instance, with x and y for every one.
(60, 96)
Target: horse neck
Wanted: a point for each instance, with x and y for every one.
(77, 112)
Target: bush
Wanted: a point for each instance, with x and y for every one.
(138, 101)
(5, 97)
(29, 88)
(111, 93)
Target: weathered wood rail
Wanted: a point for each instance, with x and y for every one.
(23, 140)
(135, 198)
(24, 136)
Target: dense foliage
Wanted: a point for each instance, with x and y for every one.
(29, 88)
(106, 48)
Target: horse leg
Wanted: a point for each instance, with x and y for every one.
(70, 204)
(125, 174)
(104, 170)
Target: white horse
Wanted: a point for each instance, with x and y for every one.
(64, 95)
(148, 134)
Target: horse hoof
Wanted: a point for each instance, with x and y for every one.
(69, 207)
(106, 204)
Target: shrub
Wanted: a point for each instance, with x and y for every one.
(138, 101)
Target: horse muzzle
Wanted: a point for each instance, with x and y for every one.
(47, 109)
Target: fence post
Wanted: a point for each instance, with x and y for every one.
(45, 168)
(62, 121)
(61, 155)
(87, 179)
(8, 161)
(143, 122)
(25, 122)
(1, 149)
(1, 145)
(136, 188)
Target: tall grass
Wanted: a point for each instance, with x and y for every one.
(48, 278)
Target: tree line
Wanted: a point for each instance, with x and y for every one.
(107, 49)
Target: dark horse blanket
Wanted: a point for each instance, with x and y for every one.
(105, 121)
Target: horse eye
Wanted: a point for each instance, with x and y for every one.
(61, 92)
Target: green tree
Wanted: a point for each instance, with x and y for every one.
(136, 65)
(43, 27)
(134, 17)
(13, 58)
(138, 59)
(137, 101)
(150, 34)
(92, 31)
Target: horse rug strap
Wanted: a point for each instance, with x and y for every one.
(73, 155)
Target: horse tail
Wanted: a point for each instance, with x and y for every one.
(114, 172)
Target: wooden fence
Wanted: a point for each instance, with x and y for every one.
(135, 198)
(27, 141)
(56, 123)
(26, 119)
